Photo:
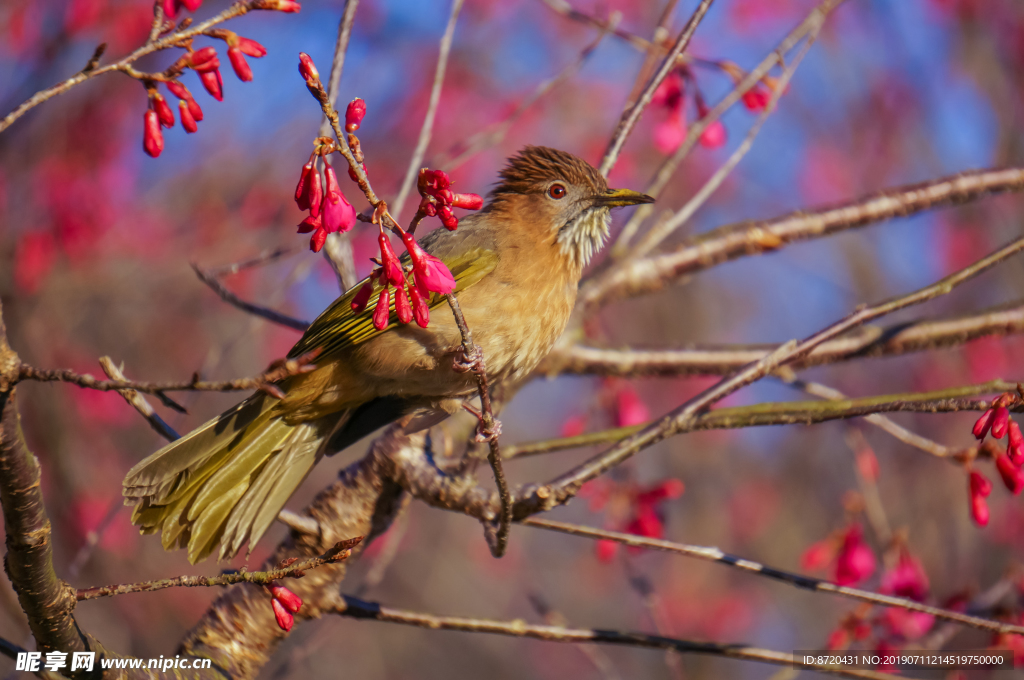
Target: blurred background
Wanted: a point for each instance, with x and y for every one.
(96, 240)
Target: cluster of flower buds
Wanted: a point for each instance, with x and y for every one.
(435, 188)
(631, 508)
(671, 96)
(285, 604)
(1010, 465)
(411, 298)
(848, 553)
(329, 211)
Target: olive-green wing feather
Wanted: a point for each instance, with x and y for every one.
(339, 327)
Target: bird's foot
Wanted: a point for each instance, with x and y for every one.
(465, 362)
(483, 432)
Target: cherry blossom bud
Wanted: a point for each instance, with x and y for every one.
(288, 599)
(818, 555)
(906, 579)
(239, 64)
(756, 98)
(980, 488)
(983, 424)
(1013, 475)
(281, 5)
(187, 121)
(606, 549)
(1015, 448)
(1000, 421)
(362, 297)
(629, 408)
(152, 136)
(430, 273)
(181, 92)
(337, 213)
(856, 560)
(389, 262)
(402, 306)
(213, 83)
(285, 620)
(380, 312)
(713, 136)
(467, 201)
(448, 218)
(318, 239)
(311, 223)
(204, 59)
(302, 188)
(191, 5)
(428, 208)
(420, 308)
(354, 114)
(352, 173)
(307, 68)
(979, 510)
(251, 47)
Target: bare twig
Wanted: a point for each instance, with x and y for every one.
(139, 402)
(266, 257)
(632, 114)
(715, 555)
(359, 609)
(270, 315)
(473, 355)
(340, 552)
(428, 121)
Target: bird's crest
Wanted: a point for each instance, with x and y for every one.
(533, 168)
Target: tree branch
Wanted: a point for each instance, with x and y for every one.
(211, 280)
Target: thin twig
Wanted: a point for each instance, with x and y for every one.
(213, 282)
(139, 402)
(266, 257)
(949, 400)
(359, 609)
(656, 47)
(340, 552)
(474, 355)
(632, 114)
(715, 555)
(428, 121)
(594, 654)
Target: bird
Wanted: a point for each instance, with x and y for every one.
(517, 264)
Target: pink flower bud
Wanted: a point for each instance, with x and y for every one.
(980, 486)
(187, 121)
(171, 8)
(1015, 448)
(290, 600)
(240, 65)
(311, 223)
(713, 136)
(302, 188)
(285, 620)
(251, 47)
(380, 312)
(1013, 475)
(906, 579)
(181, 92)
(163, 110)
(191, 5)
(467, 201)
(756, 98)
(818, 555)
(983, 424)
(362, 297)
(281, 5)
(629, 408)
(337, 213)
(213, 83)
(448, 218)
(430, 273)
(670, 133)
(204, 59)
(1000, 421)
(856, 560)
(152, 136)
(354, 114)
(318, 239)
(420, 308)
(402, 306)
(389, 261)
(606, 549)
(307, 68)
(979, 510)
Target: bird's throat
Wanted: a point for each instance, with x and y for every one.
(580, 238)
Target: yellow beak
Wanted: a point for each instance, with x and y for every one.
(616, 198)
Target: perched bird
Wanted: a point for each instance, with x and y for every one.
(517, 265)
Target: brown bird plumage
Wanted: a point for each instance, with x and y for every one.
(517, 264)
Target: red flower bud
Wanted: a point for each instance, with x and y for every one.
(352, 173)
(1013, 476)
(251, 47)
(467, 201)
(428, 208)
(318, 239)
(402, 307)
(281, 5)
(381, 311)
(182, 93)
(307, 68)
(1000, 421)
(448, 218)
(213, 83)
(362, 296)
(285, 620)
(606, 549)
(906, 579)
(420, 308)
(240, 65)
(756, 98)
(163, 110)
(983, 424)
(204, 59)
(856, 560)
(187, 121)
(713, 136)
(818, 555)
(290, 600)
(1015, 448)
(980, 486)
(354, 114)
(979, 510)
(152, 136)
(430, 273)
(393, 273)
(191, 5)
(311, 223)
(337, 213)
(171, 8)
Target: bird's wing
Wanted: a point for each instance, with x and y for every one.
(339, 327)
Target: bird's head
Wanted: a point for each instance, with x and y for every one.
(563, 197)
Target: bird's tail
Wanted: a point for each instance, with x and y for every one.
(225, 483)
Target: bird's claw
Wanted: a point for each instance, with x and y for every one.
(464, 362)
(487, 434)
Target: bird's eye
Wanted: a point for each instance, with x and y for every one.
(556, 191)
